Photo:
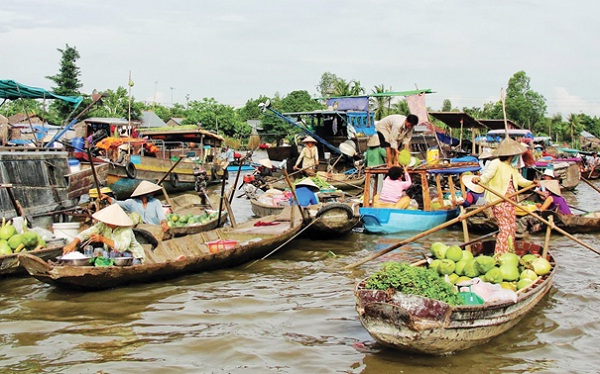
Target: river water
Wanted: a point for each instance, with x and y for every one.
(290, 313)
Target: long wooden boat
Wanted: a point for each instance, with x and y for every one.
(379, 220)
(10, 265)
(567, 171)
(339, 181)
(178, 256)
(334, 218)
(423, 325)
(586, 223)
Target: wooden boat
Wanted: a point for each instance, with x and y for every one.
(586, 223)
(423, 325)
(390, 220)
(567, 171)
(343, 181)
(215, 249)
(335, 217)
(10, 265)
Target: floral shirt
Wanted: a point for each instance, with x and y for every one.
(122, 236)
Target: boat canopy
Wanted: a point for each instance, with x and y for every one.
(11, 90)
(456, 120)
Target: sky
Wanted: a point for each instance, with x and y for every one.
(235, 51)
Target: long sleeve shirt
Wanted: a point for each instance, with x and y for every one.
(122, 236)
(393, 190)
(394, 130)
(309, 157)
(497, 175)
(152, 214)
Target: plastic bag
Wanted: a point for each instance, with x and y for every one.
(490, 293)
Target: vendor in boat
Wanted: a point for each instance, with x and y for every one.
(375, 155)
(113, 230)
(474, 192)
(554, 201)
(502, 175)
(394, 130)
(306, 191)
(142, 205)
(266, 168)
(393, 191)
(309, 157)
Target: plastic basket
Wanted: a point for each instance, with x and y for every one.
(221, 245)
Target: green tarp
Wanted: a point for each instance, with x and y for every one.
(12, 90)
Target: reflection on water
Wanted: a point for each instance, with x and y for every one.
(293, 312)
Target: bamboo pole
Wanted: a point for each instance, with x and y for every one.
(432, 230)
(547, 238)
(465, 230)
(551, 224)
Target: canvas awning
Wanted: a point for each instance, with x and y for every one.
(11, 90)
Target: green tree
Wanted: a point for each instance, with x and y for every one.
(12, 107)
(67, 82)
(447, 106)
(400, 107)
(523, 105)
(326, 85)
(115, 104)
(381, 104)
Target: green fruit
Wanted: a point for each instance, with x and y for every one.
(462, 279)
(435, 264)
(30, 239)
(509, 285)
(494, 276)
(438, 249)
(4, 248)
(467, 255)
(524, 283)
(7, 231)
(453, 277)
(404, 157)
(454, 253)
(509, 272)
(528, 274)
(541, 266)
(528, 259)
(460, 266)
(14, 241)
(509, 258)
(446, 267)
(484, 263)
(470, 270)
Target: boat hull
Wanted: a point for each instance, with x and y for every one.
(389, 221)
(417, 324)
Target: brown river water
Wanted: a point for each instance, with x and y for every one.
(290, 313)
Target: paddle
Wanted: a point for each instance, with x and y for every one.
(237, 178)
(432, 230)
(169, 171)
(551, 224)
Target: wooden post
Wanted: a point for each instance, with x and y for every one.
(547, 238)
(425, 191)
(367, 190)
(452, 190)
(465, 230)
(438, 183)
(229, 211)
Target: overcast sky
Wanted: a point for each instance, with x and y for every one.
(233, 51)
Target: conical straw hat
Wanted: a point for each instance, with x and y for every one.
(266, 163)
(308, 183)
(373, 141)
(509, 147)
(468, 182)
(485, 154)
(145, 188)
(113, 215)
(309, 139)
(552, 186)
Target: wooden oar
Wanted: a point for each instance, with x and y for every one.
(551, 224)
(96, 182)
(170, 170)
(432, 230)
(590, 184)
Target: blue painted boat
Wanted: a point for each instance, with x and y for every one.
(389, 221)
(235, 168)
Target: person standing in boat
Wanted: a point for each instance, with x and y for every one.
(143, 206)
(306, 191)
(394, 130)
(113, 230)
(502, 176)
(393, 192)
(309, 157)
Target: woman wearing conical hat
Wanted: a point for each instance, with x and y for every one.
(309, 157)
(502, 176)
(143, 206)
(306, 191)
(113, 230)
(554, 201)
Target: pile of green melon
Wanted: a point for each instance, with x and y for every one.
(188, 219)
(13, 242)
(509, 270)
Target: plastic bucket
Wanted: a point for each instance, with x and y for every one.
(74, 165)
(78, 144)
(67, 230)
(433, 156)
(136, 160)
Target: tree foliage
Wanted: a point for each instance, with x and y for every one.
(115, 104)
(67, 82)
